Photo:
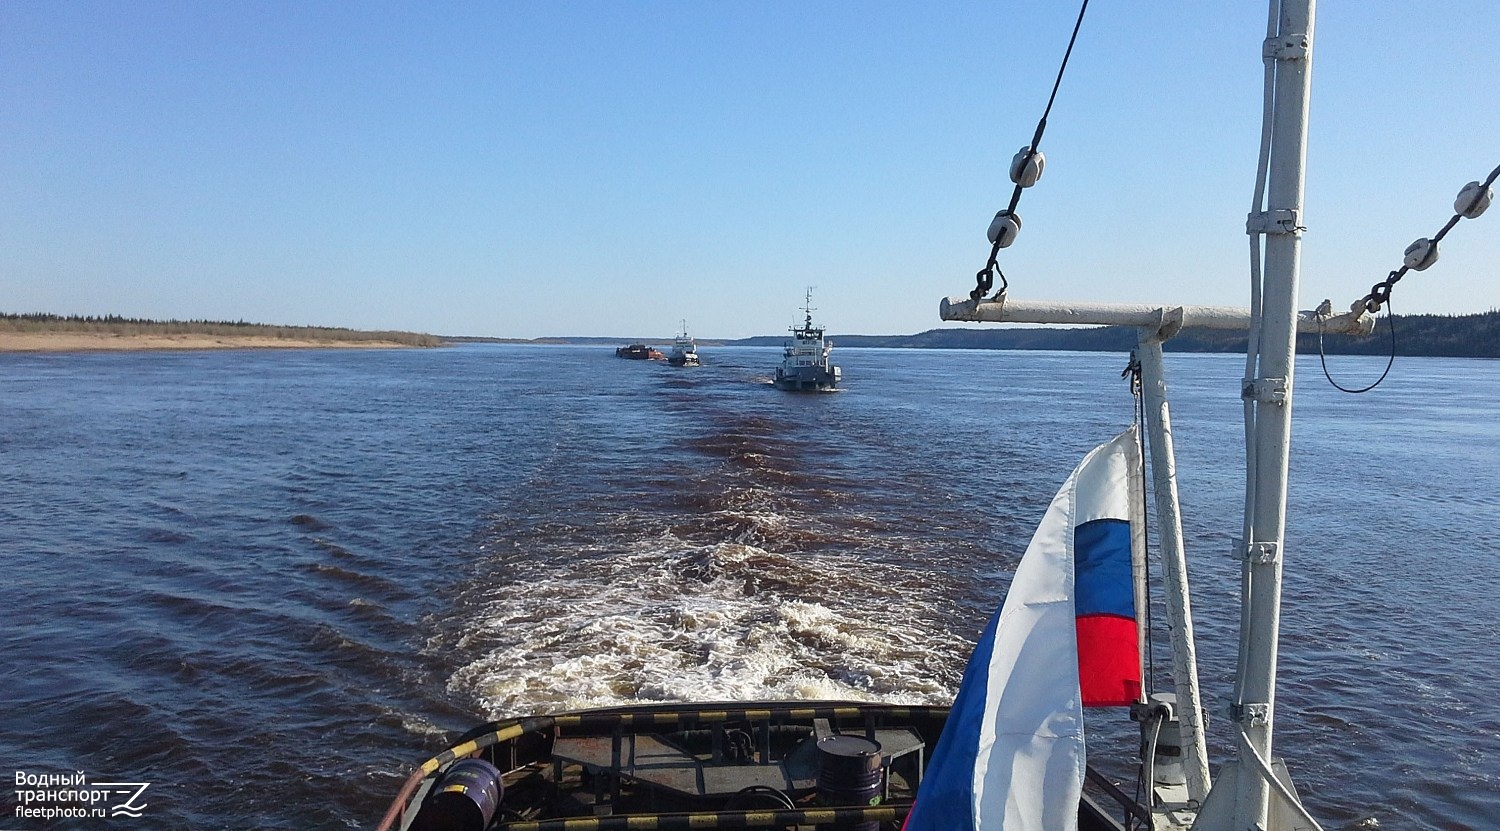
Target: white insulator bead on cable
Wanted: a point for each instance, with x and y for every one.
(1004, 228)
(1025, 172)
(1473, 200)
(1421, 254)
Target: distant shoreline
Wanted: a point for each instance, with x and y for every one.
(1465, 336)
(113, 333)
(1438, 336)
(106, 342)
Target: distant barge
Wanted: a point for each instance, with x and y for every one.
(640, 352)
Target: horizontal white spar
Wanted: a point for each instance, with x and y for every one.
(1168, 319)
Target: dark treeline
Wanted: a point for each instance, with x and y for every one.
(42, 317)
(1456, 336)
(124, 326)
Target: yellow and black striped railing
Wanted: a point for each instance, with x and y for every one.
(717, 819)
(655, 717)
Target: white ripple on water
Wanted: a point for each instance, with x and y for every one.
(666, 620)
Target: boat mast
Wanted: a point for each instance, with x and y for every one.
(1269, 393)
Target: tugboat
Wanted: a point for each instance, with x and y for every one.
(804, 362)
(1010, 751)
(684, 351)
(640, 352)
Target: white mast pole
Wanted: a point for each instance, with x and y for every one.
(1271, 395)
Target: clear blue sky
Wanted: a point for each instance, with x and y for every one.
(609, 168)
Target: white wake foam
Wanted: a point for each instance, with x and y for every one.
(665, 620)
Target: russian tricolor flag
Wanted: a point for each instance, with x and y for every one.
(1012, 752)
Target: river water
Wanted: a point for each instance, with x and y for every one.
(267, 584)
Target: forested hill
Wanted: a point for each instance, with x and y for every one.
(1464, 336)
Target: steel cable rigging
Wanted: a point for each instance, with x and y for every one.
(1025, 170)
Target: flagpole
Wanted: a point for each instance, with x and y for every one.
(1174, 565)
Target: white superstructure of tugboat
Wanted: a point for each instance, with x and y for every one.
(804, 361)
(684, 350)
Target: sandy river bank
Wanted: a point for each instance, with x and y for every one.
(99, 341)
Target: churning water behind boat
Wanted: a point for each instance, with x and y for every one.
(270, 583)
